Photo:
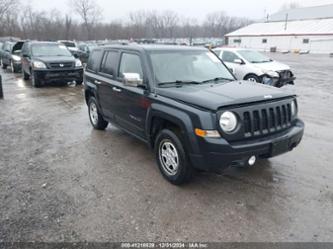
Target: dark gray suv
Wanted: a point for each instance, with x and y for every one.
(49, 62)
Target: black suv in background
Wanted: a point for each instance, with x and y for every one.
(11, 56)
(186, 105)
(49, 62)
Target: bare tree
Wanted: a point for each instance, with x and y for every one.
(7, 16)
(170, 21)
(89, 12)
(190, 29)
(138, 24)
(68, 26)
(29, 23)
(7, 5)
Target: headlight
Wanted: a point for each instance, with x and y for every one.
(271, 73)
(78, 63)
(38, 64)
(228, 121)
(16, 57)
(293, 108)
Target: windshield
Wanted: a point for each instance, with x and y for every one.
(49, 50)
(254, 56)
(69, 44)
(187, 66)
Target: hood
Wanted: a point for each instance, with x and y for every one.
(214, 96)
(50, 59)
(272, 66)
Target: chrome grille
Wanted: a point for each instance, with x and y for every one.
(60, 65)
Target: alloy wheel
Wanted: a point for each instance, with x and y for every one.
(93, 113)
(169, 157)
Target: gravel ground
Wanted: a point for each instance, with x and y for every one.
(60, 180)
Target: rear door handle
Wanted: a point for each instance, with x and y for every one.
(116, 89)
(97, 82)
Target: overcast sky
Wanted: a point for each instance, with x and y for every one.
(114, 9)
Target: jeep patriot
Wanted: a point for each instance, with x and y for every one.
(189, 108)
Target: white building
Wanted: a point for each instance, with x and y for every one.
(303, 29)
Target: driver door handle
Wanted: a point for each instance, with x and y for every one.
(97, 82)
(116, 89)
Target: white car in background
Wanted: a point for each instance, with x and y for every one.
(254, 66)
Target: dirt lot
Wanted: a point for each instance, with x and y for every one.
(60, 180)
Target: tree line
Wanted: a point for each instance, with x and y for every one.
(85, 23)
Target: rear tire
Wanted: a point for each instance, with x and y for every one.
(96, 119)
(252, 78)
(171, 158)
(4, 66)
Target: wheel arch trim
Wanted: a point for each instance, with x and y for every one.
(176, 117)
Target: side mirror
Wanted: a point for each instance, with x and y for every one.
(239, 61)
(132, 79)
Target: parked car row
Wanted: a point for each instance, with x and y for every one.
(43, 62)
(195, 108)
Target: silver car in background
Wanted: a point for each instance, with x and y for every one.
(247, 64)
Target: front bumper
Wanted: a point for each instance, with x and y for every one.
(218, 154)
(63, 75)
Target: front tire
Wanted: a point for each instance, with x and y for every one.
(25, 76)
(96, 119)
(171, 158)
(252, 78)
(35, 81)
(4, 66)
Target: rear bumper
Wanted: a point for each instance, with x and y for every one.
(65, 75)
(218, 154)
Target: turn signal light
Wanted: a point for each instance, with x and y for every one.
(204, 133)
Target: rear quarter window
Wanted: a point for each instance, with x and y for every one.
(94, 60)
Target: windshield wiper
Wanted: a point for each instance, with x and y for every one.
(217, 79)
(180, 82)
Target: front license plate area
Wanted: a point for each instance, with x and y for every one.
(280, 147)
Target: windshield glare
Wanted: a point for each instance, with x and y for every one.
(50, 50)
(254, 56)
(69, 44)
(197, 66)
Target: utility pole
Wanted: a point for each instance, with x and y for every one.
(286, 23)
